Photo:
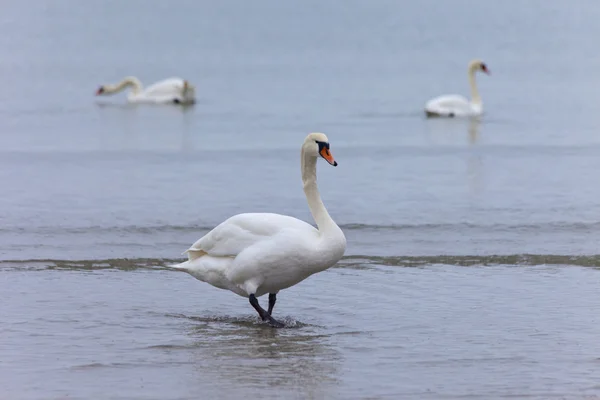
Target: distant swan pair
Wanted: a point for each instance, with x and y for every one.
(172, 90)
(456, 105)
(179, 91)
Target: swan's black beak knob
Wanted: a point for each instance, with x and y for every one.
(326, 154)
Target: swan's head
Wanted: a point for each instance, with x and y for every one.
(317, 145)
(478, 65)
(101, 90)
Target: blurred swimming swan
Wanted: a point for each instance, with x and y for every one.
(459, 106)
(172, 90)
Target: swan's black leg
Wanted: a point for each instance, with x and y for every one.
(264, 315)
(176, 101)
(272, 300)
(261, 311)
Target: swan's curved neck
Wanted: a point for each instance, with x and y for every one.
(136, 85)
(309, 179)
(475, 98)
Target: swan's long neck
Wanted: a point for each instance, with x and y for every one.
(309, 179)
(475, 98)
(136, 86)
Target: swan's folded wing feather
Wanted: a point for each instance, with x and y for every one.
(170, 86)
(449, 104)
(449, 100)
(241, 231)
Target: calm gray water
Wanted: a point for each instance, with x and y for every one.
(472, 261)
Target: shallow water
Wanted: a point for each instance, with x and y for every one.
(364, 329)
(471, 268)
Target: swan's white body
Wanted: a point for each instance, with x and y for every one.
(258, 253)
(172, 90)
(452, 106)
(456, 105)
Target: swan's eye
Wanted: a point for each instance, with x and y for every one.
(322, 145)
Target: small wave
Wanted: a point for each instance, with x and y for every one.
(349, 262)
(123, 264)
(245, 321)
(480, 260)
(545, 226)
(153, 229)
(103, 365)
(96, 229)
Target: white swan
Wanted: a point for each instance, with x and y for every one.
(258, 253)
(172, 90)
(459, 106)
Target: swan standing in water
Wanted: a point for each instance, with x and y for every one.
(172, 90)
(456, 105)
(259, 253)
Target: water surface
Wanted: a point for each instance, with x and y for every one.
(471, 268)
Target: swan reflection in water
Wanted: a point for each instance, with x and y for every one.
(181, 109)
(133, 126)
(475, 159)
(246, 357)
(453, 133)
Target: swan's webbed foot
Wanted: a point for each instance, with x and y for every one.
(176, 101)
(264, 315)
(451, 115)
(275, 324)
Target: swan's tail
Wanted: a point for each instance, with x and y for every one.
(184, 266)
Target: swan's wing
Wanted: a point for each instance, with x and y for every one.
(241, 231)
(449, 104)
(171, 86)
(450, 100)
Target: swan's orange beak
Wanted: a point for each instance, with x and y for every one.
(326, 154)
(100, 91)
(485, 69)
